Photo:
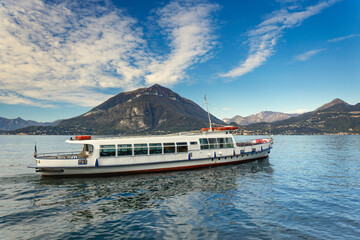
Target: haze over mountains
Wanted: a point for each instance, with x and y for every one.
(16, 123)
(157, 109)
(265, 116)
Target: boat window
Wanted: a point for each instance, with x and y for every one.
(193, 143)
(229, 142)
(213, 143)
(107, 150)
(89, 148)
(181, 147)
(107, 146)
(204, 143)
(169, 147)
(140, 149)
(221, 142)
(155, 148)
(124, 150)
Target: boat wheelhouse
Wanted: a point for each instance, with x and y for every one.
(126, 155)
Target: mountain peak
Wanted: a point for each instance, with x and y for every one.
(158, 88)
(334, 102)
(123, 97)
(337, 101)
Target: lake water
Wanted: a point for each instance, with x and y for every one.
(309, 188)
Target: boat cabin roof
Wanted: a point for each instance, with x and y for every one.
(179, 137)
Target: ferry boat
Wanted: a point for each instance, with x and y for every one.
(138, 154)
(128, 155)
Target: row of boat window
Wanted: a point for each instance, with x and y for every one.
(143, 149)
(213, 143)
(165, 148)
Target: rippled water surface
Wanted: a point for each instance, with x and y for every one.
(309, 188)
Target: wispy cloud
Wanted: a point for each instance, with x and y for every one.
(189, 28)
(68, 51)
(265, 36)
(14, 98)
(307, 55)
(343, 38)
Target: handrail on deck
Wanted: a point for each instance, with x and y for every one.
(60, 155)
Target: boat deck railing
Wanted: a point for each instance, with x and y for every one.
(244, 144)
(60, 155)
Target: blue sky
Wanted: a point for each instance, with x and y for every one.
(59, 59)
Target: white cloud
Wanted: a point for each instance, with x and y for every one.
(189, 28)
(264, 37)
(14, 98)
(226, 109)
(52, 52)
(343, 38)
(307, 55)
(68, 51)
(298, 111)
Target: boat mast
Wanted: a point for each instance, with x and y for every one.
(207, 108)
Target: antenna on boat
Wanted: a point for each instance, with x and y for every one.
(207, 108)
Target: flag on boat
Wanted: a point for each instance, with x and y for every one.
(35, 152)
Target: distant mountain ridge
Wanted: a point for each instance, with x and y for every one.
(335, 117)
(160, 110)
(265, 116)
(16, 123)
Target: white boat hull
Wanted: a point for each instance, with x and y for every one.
(154, 166)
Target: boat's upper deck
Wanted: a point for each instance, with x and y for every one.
(183, 136)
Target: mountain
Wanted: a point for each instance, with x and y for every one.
(336, 117)
(12, 124)
(265, 116)
(334, 102)
(146, 110)
(237, 119)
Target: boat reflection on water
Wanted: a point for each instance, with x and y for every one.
(97, 197)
